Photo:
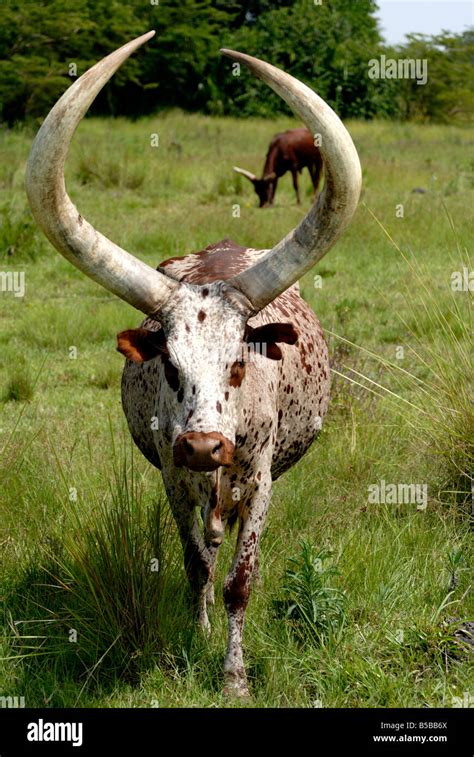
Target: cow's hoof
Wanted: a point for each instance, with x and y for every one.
(235, 688)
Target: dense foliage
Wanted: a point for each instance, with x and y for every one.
(47, 43)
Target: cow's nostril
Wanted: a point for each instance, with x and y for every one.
(188, 448)
(216, 448)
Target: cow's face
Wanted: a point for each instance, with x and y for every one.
(204, 347)
(263, 188)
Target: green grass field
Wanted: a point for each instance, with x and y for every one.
(87, 620)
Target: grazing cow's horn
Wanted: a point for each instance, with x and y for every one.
(320, 228)
(102, 260)
(248, 174)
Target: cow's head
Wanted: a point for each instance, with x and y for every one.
(204, 345)
(203, 328)
(262, 186)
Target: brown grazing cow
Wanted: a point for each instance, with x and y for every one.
(291, 150)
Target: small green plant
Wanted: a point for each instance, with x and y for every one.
(430, 643)
(19, 388)
(314, 607)
(455, 559)
(18, 234)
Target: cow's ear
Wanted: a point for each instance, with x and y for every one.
(269, 335)
(140, 345)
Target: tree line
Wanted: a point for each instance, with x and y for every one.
(328, 44)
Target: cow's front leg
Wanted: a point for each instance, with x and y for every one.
(271, 190)
(315, 173)
(210, 584)
(198, 562)
(237, 589)
(213, 533)
(294, 174)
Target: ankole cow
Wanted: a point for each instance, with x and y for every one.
(291, 150)
(226, 381)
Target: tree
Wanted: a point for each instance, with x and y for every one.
(448, 94)
(43, 44)
(46, 43)
(327, 46)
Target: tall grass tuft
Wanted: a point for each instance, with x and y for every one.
(436, 404)
(100, 600)
(107, 172)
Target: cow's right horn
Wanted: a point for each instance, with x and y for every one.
(317, 232)
(91, 252)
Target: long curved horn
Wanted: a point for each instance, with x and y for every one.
(248, 174)
(314, 236)
(87, 249)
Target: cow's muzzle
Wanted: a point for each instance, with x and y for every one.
(199, 451)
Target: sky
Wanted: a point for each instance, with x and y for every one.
(400, 17)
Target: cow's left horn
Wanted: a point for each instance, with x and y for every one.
(314, 236)
(248, 174)
(91, 252)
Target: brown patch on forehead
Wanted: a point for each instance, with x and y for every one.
(201, 316)
(237, 373)
(217, 262)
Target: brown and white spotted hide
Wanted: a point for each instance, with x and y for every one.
(191, 376)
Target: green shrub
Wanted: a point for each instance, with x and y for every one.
(313, 606)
